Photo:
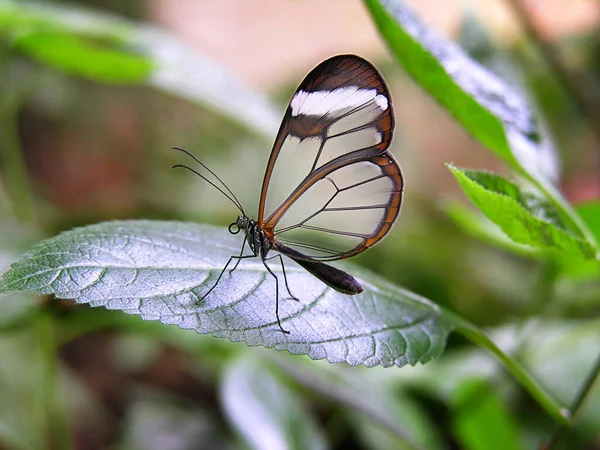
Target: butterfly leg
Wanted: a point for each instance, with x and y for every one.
(241, 253)
(292, 296)
(223, 271)
(276, 296)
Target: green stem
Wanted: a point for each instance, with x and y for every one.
(15, 171)
(578, 403)
(15, 175)
(477, 336)
(56, 421)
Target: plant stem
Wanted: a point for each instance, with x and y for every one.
(578, 403)
(15, 173)
(478, 337)
(54, 411)
(11, 155)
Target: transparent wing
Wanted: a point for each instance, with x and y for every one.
(344, 212)
(331, 189)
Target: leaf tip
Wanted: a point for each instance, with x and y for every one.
(4, 289)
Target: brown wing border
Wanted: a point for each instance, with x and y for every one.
(390, 168)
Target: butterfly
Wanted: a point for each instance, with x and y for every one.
(331, 189)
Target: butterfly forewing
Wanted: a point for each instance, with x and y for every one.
(331, 189)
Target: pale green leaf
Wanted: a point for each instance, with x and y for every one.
(160, 270)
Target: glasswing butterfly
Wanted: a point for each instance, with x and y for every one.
(331, 189)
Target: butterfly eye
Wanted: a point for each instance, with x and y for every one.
(233, 228)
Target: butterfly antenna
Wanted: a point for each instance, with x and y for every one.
(231, 195)
(238, 203)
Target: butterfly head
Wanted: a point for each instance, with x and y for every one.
(242, 223)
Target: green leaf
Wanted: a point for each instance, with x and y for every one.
(524, 218)
(481, 419)
(160, 270)
(92, 60)
(264, 411)
(590, 213)
(493, 112)
(480, 227)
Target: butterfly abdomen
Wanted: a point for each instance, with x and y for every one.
(332, 277)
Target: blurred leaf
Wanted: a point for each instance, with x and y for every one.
(408, 413)
(561, 354)
(157, 422)
(76, 56)
(381, 411)
(488, 108)
(134, 352)
(590, 213)
(492, 111)
(475, 39)
(161, 269)
(21, 17)
(21, 424)
(558, 353)
(149, 55)
(182, 71)
(481, 420)
(264, 411)
(524, 218)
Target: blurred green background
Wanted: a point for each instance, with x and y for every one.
(85, 136)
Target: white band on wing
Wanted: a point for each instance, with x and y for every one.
(319, 103)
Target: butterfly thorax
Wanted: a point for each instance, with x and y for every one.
(257, 239)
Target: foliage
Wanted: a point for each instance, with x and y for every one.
(159, 270)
